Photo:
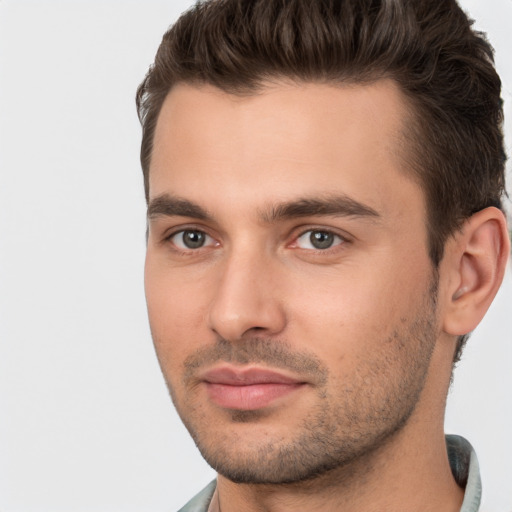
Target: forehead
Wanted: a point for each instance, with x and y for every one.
(288, 140)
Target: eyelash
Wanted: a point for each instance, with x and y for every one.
(182, 231)
(341, 240)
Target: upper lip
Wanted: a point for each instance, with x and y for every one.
(232, 376)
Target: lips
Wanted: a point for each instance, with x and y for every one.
(247, 389)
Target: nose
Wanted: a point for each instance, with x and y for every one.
(246, 299)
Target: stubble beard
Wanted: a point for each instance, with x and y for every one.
(351, 421)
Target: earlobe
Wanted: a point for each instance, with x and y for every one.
(475, 262)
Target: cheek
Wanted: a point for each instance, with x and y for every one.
(345, 301)
(175, 313)
(353, 312)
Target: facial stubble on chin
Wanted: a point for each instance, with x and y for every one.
(348, 422)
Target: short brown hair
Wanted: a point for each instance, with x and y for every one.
(444, 68)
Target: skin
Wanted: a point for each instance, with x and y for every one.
(365, 325)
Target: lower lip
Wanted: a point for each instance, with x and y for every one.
(248, 398)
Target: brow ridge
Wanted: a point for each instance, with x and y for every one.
(333, 205)
(171, 206)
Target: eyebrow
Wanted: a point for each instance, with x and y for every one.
(333, 205)
(166, 205)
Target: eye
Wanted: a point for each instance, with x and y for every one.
(318, 239)
(191, 239)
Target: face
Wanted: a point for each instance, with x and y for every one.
(290, 294)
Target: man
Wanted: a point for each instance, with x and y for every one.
(324, 183)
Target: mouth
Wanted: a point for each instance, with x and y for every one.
(247, 389)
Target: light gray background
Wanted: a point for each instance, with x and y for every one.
(85, 420)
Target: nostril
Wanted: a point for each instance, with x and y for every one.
(254, 331)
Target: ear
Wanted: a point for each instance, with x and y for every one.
(474, 265)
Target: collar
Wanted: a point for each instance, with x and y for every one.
(466, 471)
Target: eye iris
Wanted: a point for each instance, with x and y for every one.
(321, 239)
(193, 239)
